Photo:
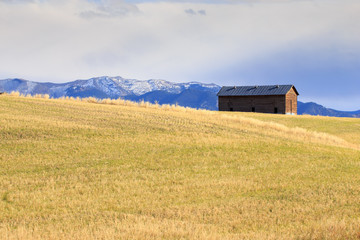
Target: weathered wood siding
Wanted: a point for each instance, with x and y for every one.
(262, 104)
(291, 102)
(282, 104)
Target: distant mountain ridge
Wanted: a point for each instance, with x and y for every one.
(315, 109)
(105, 86)
(191, 94)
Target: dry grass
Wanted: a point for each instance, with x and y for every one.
(72, 169)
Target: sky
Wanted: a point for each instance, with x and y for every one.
(313, 44)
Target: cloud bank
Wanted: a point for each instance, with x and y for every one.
(312, 44)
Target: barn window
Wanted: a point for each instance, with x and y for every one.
(253, 109)
(276, 110)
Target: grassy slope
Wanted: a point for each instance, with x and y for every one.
(77, 170)
(346, 128)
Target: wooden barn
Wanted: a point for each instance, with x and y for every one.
(280, 99)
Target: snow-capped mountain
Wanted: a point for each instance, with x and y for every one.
(107, 86)
(115, 87)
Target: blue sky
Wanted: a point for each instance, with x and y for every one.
(313, 44)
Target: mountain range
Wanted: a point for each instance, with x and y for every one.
(191, 94)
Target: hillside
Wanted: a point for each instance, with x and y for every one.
(77, 169)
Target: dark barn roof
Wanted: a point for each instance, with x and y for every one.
(256, 90)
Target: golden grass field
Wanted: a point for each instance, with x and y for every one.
(79, 169)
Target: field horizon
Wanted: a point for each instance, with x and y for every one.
(115, 169)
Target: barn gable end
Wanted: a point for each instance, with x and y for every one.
(291, 101)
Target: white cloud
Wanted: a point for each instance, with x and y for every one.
(50, 41)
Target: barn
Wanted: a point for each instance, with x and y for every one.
(281, 99)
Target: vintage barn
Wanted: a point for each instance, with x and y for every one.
(280, 99)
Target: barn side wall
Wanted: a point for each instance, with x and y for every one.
(291, 102)
(262, 104)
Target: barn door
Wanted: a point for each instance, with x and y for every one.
(230, 106)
